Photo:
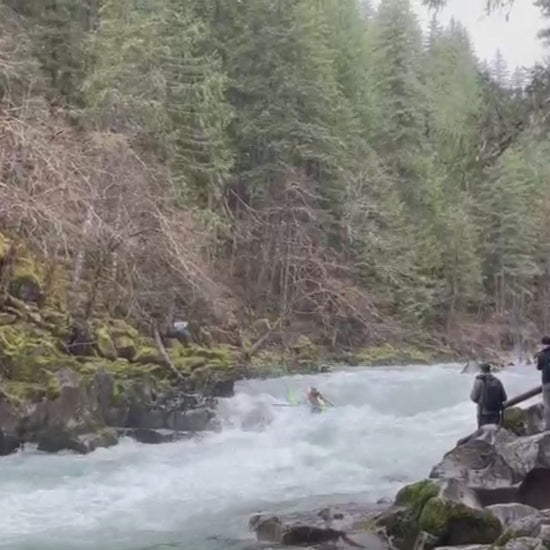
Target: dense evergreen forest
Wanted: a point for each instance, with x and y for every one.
(323, 166)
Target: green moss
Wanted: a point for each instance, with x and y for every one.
(23, 392)
(121, 369)
(104, 343)
(400, 526)
(125, 346)
(515, 420)
(190, 363)
(118, 327)
(455, 523)
(416, 495)
(53, 388)
(30, 354)
(223, 355)
(148, 355)
(26, 280)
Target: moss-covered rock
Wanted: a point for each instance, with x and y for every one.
(26, 281)
(30, 354)
(104, 344)
(416, 495)
(148, 354)
(455, 524)
(401, 522)
(125, 346)
(118, 327)
(515, 420)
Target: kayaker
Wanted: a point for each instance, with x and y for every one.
(316, 400)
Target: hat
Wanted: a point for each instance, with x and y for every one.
(485, 367)
(545, 341)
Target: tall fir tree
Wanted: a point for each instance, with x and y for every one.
(155, 78)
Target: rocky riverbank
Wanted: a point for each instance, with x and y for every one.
(75, 379)
(492, 491)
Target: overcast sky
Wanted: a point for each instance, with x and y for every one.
(516, 38)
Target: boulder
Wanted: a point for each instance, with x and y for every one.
(223, 388)
(125, 347)
(102, 393)
(522, 543)
(55, 440)
(81, 341)
(104, 344)
(535, 489)
(142, 416)
(477, 460)
(528, 526)
(493, 458)
(511, 512)
(153, 437)
(455, 517)
(528, 421)
(433, 513)
(9, 443)
(197, 420)
(26, 287)
(271, 529)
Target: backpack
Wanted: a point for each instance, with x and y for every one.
(491, 395)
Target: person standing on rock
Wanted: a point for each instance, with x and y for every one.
(489, 394)
(543, 364)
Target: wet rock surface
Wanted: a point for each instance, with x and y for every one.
(491, 491)
(82, 414)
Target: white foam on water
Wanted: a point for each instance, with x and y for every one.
(389, 426)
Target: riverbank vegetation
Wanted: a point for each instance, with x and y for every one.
(299, 177)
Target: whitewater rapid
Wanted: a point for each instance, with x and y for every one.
(389, 426)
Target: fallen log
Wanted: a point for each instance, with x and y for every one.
(522, 397)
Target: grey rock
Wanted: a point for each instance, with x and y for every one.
(522, 543)
(153, 437)
(544, 534)
(191, 421)
(223, 388)
(9, 443)
(509, 513)
(530, 526)
(425, 541)
(535, 488)
(55, 440)
(145, 417)
(494, 458)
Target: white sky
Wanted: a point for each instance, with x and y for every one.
(516, 38)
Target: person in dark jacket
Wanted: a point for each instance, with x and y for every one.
(489, 394)
(543, 364)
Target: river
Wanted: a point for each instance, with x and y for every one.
(389, 426)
